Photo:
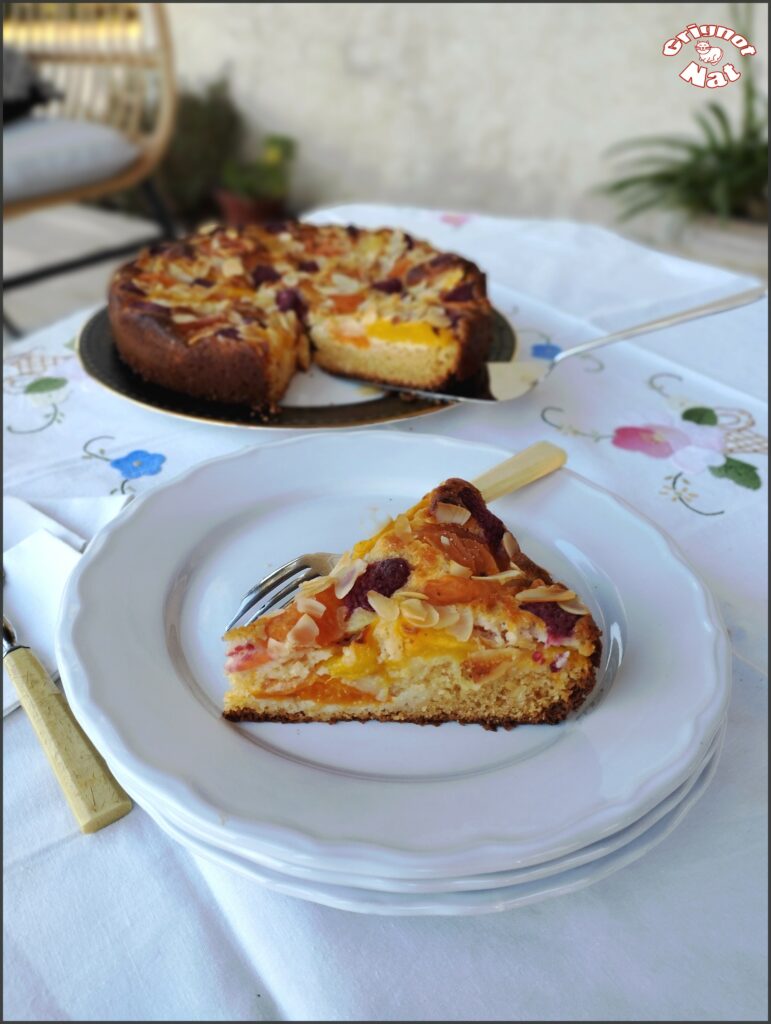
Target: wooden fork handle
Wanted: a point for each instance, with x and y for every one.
(523, 468)
(94, 796)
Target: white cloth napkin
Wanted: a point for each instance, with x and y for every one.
(39, 552)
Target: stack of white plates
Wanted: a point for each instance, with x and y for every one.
(390, 818)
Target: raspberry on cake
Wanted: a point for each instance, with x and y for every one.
(231, 314)
(439, 617)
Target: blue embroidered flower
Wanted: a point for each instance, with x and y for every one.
(545, 350)
(138, 463)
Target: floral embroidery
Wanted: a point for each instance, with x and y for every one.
(691, 447)
(139, 463)
(545, 350)
(135, 464)
(700, 438)
(455, 220)
(29, 373)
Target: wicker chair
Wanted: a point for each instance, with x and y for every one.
(112, 66)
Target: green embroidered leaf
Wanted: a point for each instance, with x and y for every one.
(742, 473)
(42, 384)
(701, 414)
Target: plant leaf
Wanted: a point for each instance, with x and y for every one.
(742, 473)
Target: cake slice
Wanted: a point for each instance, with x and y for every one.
(440, 617)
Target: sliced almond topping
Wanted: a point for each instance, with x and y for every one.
(306, 603)
(232, 267)
(402, 526)
(344, 583)
(462, 629)
(341, 565)
(419, 613)
(501, 577)
(575, 607)
(178, 272)
(404, 595)
(358, 620)
(456, 569)
(303, 633)
(276, 648)
(448, 616)
(544, 593)
(184, 318)
(311, 587)
(385, 607)
(445, 541)
(510, 545)
(446, 513)
(231, 233)
(206, 229)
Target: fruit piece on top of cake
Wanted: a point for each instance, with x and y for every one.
(439, 617)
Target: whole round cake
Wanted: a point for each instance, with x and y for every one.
(231, 314)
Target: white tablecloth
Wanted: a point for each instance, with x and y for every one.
(126, 925)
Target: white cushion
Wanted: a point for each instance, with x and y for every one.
(45, 155)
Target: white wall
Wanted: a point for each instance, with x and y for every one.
(500, 107)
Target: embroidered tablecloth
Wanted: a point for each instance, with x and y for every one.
(127, 925)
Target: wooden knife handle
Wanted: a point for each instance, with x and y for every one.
(523, 468)
(93, 794)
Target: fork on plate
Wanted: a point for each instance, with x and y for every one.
(280, 586)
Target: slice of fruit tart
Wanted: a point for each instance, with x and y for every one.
(440, 617)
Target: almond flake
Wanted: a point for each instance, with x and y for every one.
(183, 318)
(385, 607)
(544, 593)
(311, 587)
(303, 633)
(510, 545)
(344, 583)
(574, 607)
(276, 648)
(306, 603)
(463, 628)
(502, 577)
(419, 613)
(456, 569)
(358, 620)
(206, 229)
(448, 616)
(405, 594)
(401, 526)
(232, 267)
(447, 513)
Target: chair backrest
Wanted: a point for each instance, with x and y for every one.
(111, 62)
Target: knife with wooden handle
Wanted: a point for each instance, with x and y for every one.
(94, 796)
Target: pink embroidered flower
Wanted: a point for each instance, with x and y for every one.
(691, 446)
(456, 220)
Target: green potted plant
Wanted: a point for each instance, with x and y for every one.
(715, 184)
(257, 190)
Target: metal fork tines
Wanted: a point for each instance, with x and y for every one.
(266, 594)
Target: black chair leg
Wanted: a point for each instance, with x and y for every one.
(11, 327)
(158, 208)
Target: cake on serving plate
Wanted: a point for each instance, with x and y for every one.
(231, 314)
(439, 617)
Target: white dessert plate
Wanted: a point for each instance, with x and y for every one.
(143, 670)
(165, 815)
(530, 889)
